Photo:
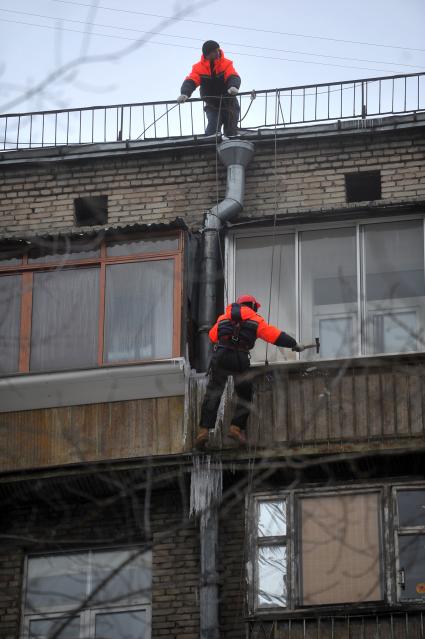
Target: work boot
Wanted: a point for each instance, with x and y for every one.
(201, 438)
(238, 434)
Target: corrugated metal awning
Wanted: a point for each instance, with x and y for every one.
(18, 241)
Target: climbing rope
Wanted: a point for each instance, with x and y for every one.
(266, 362)
(252, 98)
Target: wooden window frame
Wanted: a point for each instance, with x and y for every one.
(27, 271)
(293, 545)
(255, 542)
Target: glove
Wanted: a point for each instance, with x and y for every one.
(299, 348)
(233, 91)
(182, 98)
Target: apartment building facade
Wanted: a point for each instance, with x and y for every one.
(317, 528)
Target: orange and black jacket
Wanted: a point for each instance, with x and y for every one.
(214, 78)
(244, 324)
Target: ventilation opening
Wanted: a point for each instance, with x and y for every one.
(363, 186)
(90, 211)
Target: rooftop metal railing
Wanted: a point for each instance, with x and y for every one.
(271, 108)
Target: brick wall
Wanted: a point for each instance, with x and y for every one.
(232, 559)
(164, 185)
(55, 522)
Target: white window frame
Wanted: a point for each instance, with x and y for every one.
(245, 230)
(87, 615)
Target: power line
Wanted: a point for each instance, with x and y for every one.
(236, 44)
(233, 26)
(183, 46)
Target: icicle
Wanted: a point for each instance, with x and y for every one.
(206, 486)
(226, 400)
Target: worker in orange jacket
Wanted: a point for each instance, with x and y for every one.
(234, 335)
(219, 84)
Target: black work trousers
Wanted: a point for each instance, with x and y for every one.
(225, 114)
(227, 362)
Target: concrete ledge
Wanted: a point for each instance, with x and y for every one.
(72, 388)
(339, 128)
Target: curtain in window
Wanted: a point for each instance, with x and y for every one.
(65, 319)
(395, 286)
(139, 311)
(328, 283)
(10, 309)
(253, 266)
(340, 549)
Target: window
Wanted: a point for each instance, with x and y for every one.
(340, 549)
(394, 287)
(270, 562)
(110, 591)
(90, 211)
(67, 305)
(310, 548)
(410, 543)
(328, 286)
(255, 261)
(363, 186)
(10, 322)
(359, 287)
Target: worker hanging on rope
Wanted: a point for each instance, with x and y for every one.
(219, 84)
(234, 335)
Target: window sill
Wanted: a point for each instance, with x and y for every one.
(93, 386)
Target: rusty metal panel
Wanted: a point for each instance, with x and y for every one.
(95, 432)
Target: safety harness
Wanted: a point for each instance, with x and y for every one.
(232, 341)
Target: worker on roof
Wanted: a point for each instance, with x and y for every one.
(234, 335)
(219, 84)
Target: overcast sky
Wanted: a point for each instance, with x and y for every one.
(316, 51)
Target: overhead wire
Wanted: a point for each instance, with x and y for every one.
(182, 37)
(183, 46)
(245, 28)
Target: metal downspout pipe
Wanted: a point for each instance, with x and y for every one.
(235, 155)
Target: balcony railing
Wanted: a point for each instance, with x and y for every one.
(364, 403)
(383, 625)
(272, 108)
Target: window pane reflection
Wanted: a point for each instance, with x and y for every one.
(329, 291)
(272, 576)
(10, 322)
(65, 319)
(57, 580)
(131, 575)
(271, 518)
(121, 625)
(395, 286)
(253, 264)
(47, 628)
(139, 311)
(412, 561)
(411, 508)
